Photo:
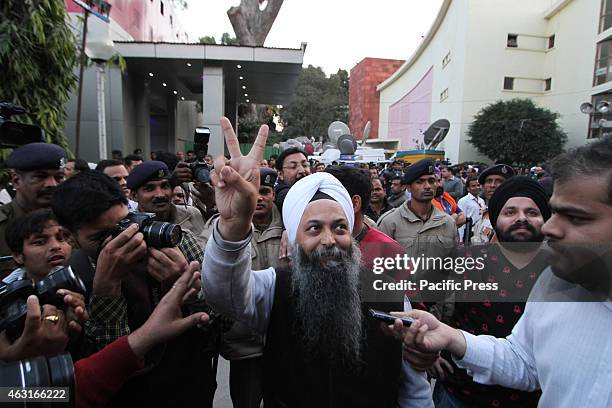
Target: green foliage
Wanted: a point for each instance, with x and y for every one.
(319, 100)
(226, 39)
(37, 56)
(517, 132)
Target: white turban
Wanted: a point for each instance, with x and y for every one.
(301, 193)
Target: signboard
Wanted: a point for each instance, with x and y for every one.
(99, 8)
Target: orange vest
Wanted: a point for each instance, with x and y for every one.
(446, 197)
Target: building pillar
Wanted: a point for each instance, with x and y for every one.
(213, 107)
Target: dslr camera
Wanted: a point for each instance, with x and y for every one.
(15, 134)
(157, 234)
(199, 168)
(56, 371)
(13, 297)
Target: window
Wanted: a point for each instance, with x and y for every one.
(512, 41)
(446, 59)
(551, 41)
(605, 19)
(161, 7)
(600, 124)
(444, 95)
(170, 21)
(547, 84)
(508, 83)
(603, 65)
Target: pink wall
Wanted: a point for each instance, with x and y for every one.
(412, 114)
(142, 19)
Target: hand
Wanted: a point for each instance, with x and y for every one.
(237, 183)
(427, 334)
(205, 193)
(45, 334)
(77, 312)
(167, 322)
(419, 360)
(115, 260)
(181, 174)
(166, 264)
(440, 368)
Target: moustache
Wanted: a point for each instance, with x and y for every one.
(46, 191)
(519, 225)
(160, 200)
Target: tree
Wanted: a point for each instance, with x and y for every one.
(318, 102)
(253, 19)
(517, 132)
(37, 55)
(226, 39)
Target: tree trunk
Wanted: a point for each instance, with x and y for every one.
(252, 25)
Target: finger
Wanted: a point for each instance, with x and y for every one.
(257, 151)
(179, 288)
(446, 365)
(74, 328)
(159, 257)
(230, 138)
(174, 255)
(190, 296)
(439, 371)
(121, 239)
(420, 337)
(215, 174)
(188, 322)
(33, 314)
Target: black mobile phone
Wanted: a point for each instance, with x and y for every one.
(390, 319)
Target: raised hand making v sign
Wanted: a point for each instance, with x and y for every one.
(237, 183)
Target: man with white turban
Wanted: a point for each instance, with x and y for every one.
(321, 349)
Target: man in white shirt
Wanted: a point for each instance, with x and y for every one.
(563, 342)
(471, 204)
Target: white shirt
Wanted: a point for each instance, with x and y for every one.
(472, 207)
(563, 348)
(233, 289)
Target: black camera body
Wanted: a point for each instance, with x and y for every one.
(200, 171)
(13, 297)
(156, 234)
(14, 134)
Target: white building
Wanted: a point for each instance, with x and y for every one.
(481, 51)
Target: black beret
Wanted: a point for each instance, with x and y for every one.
(267, 176)
(421, 168)
(500, 169)
(37, 156)
(519, 186)
(147, 171)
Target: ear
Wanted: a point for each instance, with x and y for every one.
(132, 195)
(356, 203)
(280, 175)
(16, 179)
(18, 258)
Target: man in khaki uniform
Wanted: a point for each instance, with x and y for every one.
(242, 346)
(37, 169)
(420, 227)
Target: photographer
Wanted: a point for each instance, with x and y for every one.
(126, 279)
(37, 169)
(99, 377)
(150, 187)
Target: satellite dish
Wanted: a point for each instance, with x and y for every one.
(337, 129)
(435, 133)
(347, 144)
(330, 155)
(586, 108)
(366, 132)
(292, 143)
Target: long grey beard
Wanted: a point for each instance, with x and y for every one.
(328, 304)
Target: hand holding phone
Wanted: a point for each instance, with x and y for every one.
(389, 319)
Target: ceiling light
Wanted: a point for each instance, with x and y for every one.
(243, 87)
(241, 78)
(164, 84)
(189, 64)
(175, 92)
(182, 98)
(248, 100)
(246, 94)
(238, 66)
(150, 74)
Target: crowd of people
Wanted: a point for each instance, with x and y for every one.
(268, 263)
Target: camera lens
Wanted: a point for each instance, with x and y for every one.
(202, 174)
(162, 234)
(57, 371)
